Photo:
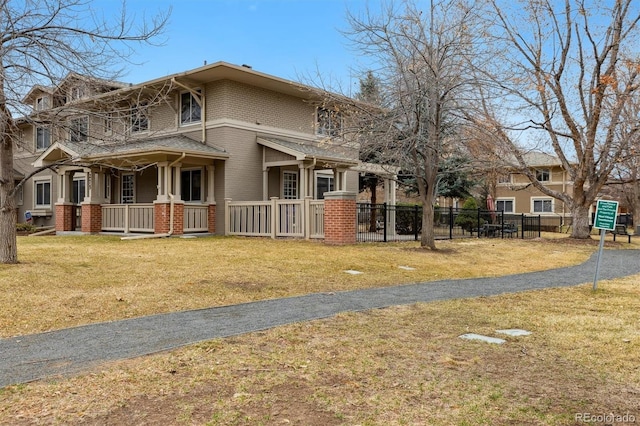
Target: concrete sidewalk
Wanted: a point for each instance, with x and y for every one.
(37, 356)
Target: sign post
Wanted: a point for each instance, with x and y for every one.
(605, 220)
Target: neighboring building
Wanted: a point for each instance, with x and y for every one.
(124, 155)
(516, 194)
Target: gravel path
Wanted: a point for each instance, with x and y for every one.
(37, 356)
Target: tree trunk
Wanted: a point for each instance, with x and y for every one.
(373, 220)
(580, 228)
(427, 238)
(8, 241)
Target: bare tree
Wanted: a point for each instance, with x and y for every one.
(562, 75)
(420, 55)
(41, 41)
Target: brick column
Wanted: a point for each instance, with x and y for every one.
(162, 215)
(65, 217)
(91, 218)
(340, 217)
(212, 219)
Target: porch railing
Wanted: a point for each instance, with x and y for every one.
(196, 218)
(128, 217)
(275, 218)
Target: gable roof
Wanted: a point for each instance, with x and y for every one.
(136, 151)
(308, 151)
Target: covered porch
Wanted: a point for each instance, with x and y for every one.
(156, 186)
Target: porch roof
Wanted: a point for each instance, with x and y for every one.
(309, 151)
(136, 152)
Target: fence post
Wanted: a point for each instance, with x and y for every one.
(227, 216)
(275, 217)
(451, 222)
(478, 222)
(306, 217)
(126, 218)
(386, 219)
(522, 220)
(539, 226)
(502, 223)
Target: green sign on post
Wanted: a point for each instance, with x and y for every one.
(606, 214)
(605, 220)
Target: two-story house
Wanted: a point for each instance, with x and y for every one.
(516, 194)
(164, 154)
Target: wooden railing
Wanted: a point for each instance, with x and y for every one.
(275, 218)
(128, 217)
(196, 218)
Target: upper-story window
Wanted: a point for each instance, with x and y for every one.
(543, 175)
(108, 123)
(42, 103)
(504, 178)
(43, 138)
(79, 129)
(190, 110)
(328, 122)
(76, 93)
(139, 119)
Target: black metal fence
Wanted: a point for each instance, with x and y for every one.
(383, 222)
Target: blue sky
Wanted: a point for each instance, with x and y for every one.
(291, 39)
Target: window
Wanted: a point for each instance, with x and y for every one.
(190, 111)
(79, 129)
(543, 175)
(504, 178)
(77, 195)
(504, 206)
(128, 188)
(42, 103)
(324, 183)
(43, 138)
(544, 205)
(329, 123)
(139, 119)
(42, 189)
(191, 181)
(77, 92)
(290, 185)
(108, 123)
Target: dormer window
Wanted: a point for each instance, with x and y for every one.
(77, 92)
(190, 110)
(42, 103)
(79, 129)
(328, 122)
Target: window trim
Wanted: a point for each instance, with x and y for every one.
(73, 189)
(192, 102)
(41, 181)
(20, 196)
(542, 199)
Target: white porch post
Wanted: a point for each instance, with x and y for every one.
(63, 187)
(211, 198)
(265, 183)
(163, 181)
(177, 183)
(303, 181)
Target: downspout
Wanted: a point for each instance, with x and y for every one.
(171, 210)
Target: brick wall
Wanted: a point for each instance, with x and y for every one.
(340, 218)
(212, 219)
(65, 217)
(162, 214)
(91, 218)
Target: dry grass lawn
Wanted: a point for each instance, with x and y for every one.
(402, 365)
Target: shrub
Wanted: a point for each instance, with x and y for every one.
(405, 219)
(25, 227)
(467, 218)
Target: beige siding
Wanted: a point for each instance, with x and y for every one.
(146, 185)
